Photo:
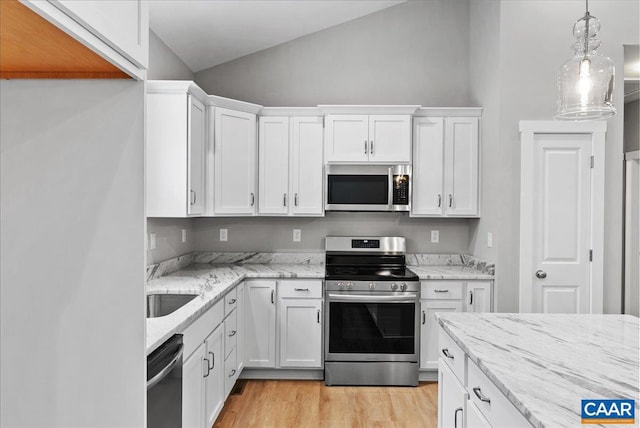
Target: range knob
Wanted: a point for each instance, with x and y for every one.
(349, 284)
(394, 286)
(403, 286)
(372, 285)
(340, 284)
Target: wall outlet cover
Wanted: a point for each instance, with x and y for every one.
(297, 235)
(489, 240)
(184, 235)
(435, 236)
(224, 235)
(152, 241)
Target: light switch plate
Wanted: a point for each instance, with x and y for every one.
(224, 235)
(435, 236)
(184, 235)
(489, 240)
(297, 235)
(152, 241)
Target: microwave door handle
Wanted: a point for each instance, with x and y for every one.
(390, 196)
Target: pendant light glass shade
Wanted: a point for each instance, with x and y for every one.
(585, 82)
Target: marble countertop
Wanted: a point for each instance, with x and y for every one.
(449, 272)
(545, 364)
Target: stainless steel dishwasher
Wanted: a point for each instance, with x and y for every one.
(164, 384)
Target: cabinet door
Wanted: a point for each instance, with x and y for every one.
(306, 166)
(390, 138)
(260, 324)
(196, 148)
(235, 162)
(452, 398)
(273, 165)
(475, 418)
(300, 332)
(428, 167)
(429, 353)
(214, 381)
(461, 164)
(478, 297)
(193, 371)
(123, 25)
(230, 372)
(346, 138)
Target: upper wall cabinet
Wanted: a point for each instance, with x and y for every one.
(368, 138)
(116, 30)
(234, 157)
(290, 165)
(176, 147)
(446, 166)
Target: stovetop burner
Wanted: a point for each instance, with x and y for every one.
(369, 273)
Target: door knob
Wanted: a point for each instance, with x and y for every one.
(541, 274)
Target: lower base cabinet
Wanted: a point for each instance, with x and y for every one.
(301, 333)
(214, 391)
(193, 389)
(452, 399)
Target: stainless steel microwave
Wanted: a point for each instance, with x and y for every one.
(367, 188)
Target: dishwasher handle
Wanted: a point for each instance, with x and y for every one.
(165, 371)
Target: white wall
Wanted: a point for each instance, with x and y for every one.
(413, 53)
(72, 267)
(276, 234)
(164, 64)
(534, 42)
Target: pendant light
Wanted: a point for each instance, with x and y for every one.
(585, 82)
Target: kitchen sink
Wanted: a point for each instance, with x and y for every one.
(159, 305)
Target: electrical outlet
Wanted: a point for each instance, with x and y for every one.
(224, 235)
(184, 235)
(297, 235)
(435, 236)
(152, 241)
(489, 240)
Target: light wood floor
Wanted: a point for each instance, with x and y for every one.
(295, 403)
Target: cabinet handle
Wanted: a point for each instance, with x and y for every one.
(253, 199)
(446, 353)
(207, 366)
(232, 301)
(450, 200)
(295, 199)
(233, 371)
(365, 147)
(318, 316)
(471, 297)
(272, 293)
(455, 417)
(438, 290)
(439, 200)
(424, 317)
(233, 333)
(284, 200)
(213, 360)
(371, 151)
(301, 289)
(480, 395)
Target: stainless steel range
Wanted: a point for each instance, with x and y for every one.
(372, 323)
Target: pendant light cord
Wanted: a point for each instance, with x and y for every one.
(587, 16)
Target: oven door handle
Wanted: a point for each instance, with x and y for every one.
(405, 298)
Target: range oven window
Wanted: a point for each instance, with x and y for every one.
(372, 328)
(358, 189)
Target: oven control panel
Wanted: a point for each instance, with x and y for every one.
(365, 243)
(375, 286)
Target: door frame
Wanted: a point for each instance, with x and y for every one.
(632, 169)
(597, 130)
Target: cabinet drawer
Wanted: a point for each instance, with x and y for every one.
(493, 405)
(230, 332)
(230, 301)
(298, 289)
(441, 290)
(198, 331)
(452, 354)
(230, 372)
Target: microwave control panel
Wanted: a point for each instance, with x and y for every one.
(400, 190)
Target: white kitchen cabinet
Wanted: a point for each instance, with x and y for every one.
(445, 167)
(429, 351)
(452, 399)
(478, 297)
(368, 139)
(290, 166)
(240, 308)
(260, 324)
(235, 163)
(176, 150)
(214, 372)
(193, 370)
(116, 30)
(300, 332)
(475, 418)
(230, 372)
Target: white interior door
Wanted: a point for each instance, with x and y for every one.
(561, 220)
(632, 235)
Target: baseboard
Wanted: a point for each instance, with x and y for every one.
(286, 374)
(428, 375)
